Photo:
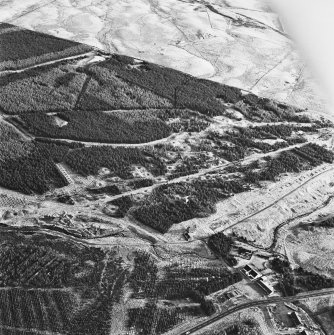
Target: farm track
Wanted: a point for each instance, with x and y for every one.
(149, 189)
(271, 248)
(276, 231)
(200, 173)
(26, 12)
(191, 176)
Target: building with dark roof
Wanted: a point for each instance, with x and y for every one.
(265, 286)
(297, 321)
(304, 332)
(250, 272)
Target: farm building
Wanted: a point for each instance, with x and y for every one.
(265, 286)
(296, 319)
(250, 272)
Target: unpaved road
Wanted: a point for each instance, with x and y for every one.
(201, 173)
(279, 199)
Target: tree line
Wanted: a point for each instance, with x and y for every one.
(97, 126)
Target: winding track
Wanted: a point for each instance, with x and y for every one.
(278, 200)
(280, 226)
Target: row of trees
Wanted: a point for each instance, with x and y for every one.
(189, 165)
(246, 143)
(178, 282)
(110, 190)
(22, 48)
(299, 280)
(247, 327)
(328, 223)
(123, 203)
(107, 91)
(140, 183)
(29, 167)
(295, 160)
(259, 109)
(89, 160)
(95, 317)
(220, 244)
(17, 305)
(50, 88)
(97, 126)
(34, 172)
(174, 203)
(235, 145)
(144, 275)
(17, 269)
(315, 153)
(153, 320)
(181, 89)
(181, 283)
(270, 131)
(34, 263)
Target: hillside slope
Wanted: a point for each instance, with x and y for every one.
(240, 43)
(132, 195)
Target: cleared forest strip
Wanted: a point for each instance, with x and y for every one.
(88, 144)
(42, 64)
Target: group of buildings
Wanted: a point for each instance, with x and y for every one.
(260, 280)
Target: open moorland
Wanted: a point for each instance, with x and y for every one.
(240, 43)
(138, 199)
